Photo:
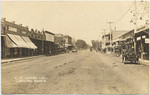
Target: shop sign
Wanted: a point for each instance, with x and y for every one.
(146, 40)
(24, 32)
(49, 37)
(12, 29)
(138, 38)
(144, 36)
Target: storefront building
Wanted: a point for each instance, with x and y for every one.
(38, 39)
(49, 46)
(106, 42)
(59, 41)
(142, 42)
(68, 42)
(15, 40)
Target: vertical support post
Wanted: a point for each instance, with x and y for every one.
(4, 47)
(135, 25)
(141, 48)
(42, 45)
(5, 29)
(21, 52)
(110, 34)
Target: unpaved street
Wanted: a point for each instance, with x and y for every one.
(83, 72)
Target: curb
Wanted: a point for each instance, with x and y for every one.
(144, 62)
(13, 60)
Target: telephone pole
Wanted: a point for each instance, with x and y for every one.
(104, 37)
(135, 24)
(110, 33)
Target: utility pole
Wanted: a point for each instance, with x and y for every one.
(110, 33)
(43, 41)
(135, 24)
(104, 37)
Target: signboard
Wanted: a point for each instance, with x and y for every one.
(24, 32)
(138, 38)
(144, 36)
(146, 40)
(49, 37)
(12, 29)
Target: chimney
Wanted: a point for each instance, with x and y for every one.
(3, 19)
(13, 22)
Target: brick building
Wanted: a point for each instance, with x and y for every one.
(15, 41)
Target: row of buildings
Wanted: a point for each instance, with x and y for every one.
(19, 41)
(126, 40)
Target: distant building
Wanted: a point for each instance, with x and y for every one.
(105, 41)
(68, 39)
(114, 36)
(68, 42)
(63, 41)
(59, 40)
(49, 46)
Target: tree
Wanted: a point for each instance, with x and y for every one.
(96, 44)
(81, 44)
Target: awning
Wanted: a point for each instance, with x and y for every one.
(10, 43)
(29, 42)
(18, 41)
(60, 46)
(68, 45)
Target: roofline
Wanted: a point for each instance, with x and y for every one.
(14, 25)
(49, 32)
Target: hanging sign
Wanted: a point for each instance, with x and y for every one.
(146, 40)
(138, 38)
(144, 36)
(49, 37)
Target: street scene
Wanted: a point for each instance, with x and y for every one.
(68, 47)
(80, 73)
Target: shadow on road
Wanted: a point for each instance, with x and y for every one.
(132, 63)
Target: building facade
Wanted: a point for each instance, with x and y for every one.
(142, 42)
(106, 42)
(68, 42)
(49, 46)
(14, 40)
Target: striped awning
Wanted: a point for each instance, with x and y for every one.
(29, 42)
(14, 41)
(10, 43)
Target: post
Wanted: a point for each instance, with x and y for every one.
(135, 25)
(110, 33)
(104, 37)
(5, 35)
(42, 42)
(141, 48)
(42, 45)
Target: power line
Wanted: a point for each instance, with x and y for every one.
(123, 14)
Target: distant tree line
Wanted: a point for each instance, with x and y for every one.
(81, 44)
(97, 45)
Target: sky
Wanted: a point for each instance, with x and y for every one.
(79, 19)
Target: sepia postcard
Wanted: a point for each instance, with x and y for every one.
(75, 47)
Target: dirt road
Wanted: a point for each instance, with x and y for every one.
(84, 72)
